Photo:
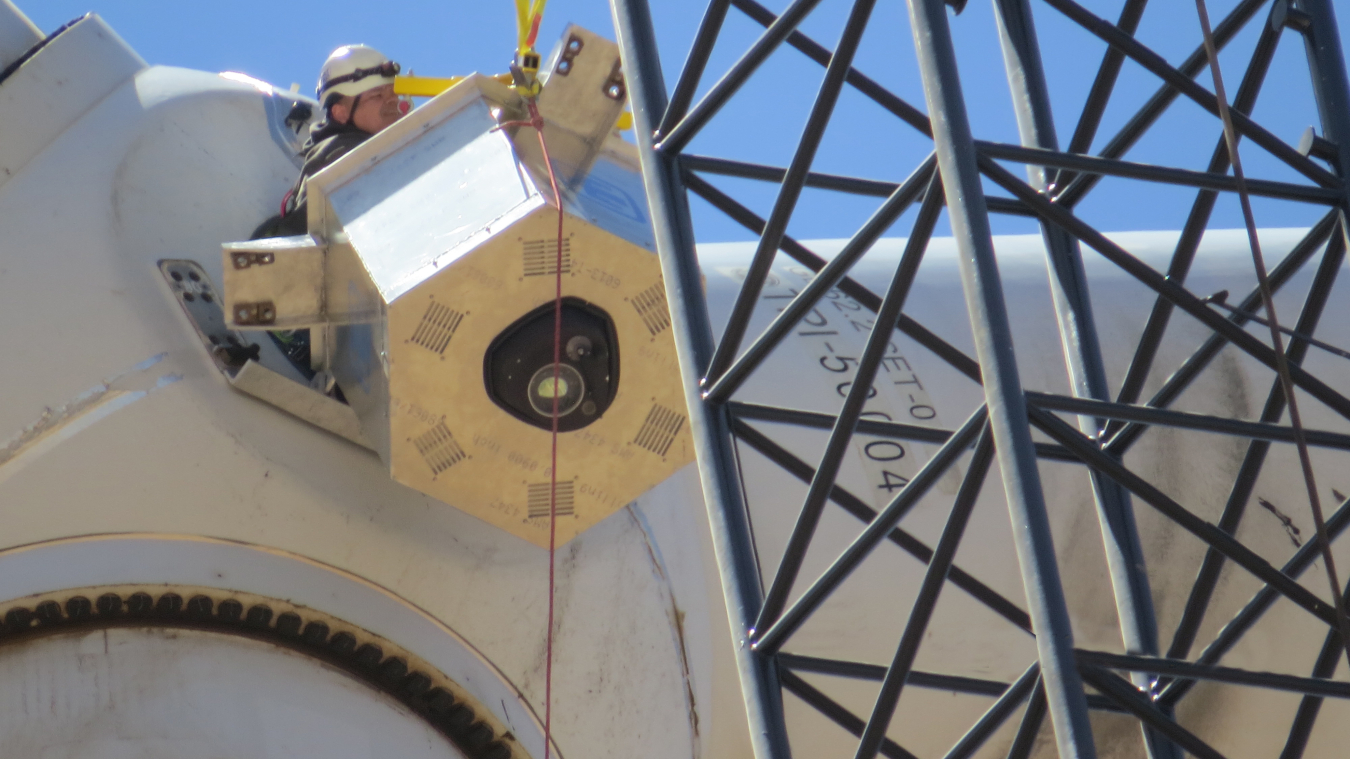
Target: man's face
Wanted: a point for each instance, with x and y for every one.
(377, 109)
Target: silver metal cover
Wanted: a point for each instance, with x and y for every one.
(438, 234)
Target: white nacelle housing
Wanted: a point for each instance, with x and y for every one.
(143, 461)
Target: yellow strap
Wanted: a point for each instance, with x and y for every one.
(528, 15)
(527, 11)
(430, 87)
(522, 24)
(536, 10)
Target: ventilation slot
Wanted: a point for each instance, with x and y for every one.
(439, 448)
(541, 257)
(438, 326)
(660, 429)
(651, 306)
(536, 505)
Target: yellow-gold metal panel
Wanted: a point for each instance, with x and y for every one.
(450, 440)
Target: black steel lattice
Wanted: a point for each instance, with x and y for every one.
(960, 175)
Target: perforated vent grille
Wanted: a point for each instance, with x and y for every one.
(437, 327)
(660, 429)
(651, 306)
(439, 449)
(536, 503)
(541, 257)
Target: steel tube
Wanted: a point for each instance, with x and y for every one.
(1263, 430)
(728, 521)
(790, 190)
(868, 299)
(1202, 97)
(721, 92)
(836, 182)
(1078, 335)
(1218, 539)
(1306, 716)
(986, 595)
(934, 578)
(877, 673)
(897, 430)
(1025, 740)
(1100, 94)
(1120, 441)
(816, 420)
(1207, 578)
(1261, 601)
(1003, 387)
(1180, 296)
(840, 436)
(917, 678)
(692, 71)
(771, 639)
(842, 433)
(1196, 222)
(1086, 164)
(1326, 61)
(726, 167)
(994, 717)
(1286, 331)
(1331, 88)
(1138, 704)
(1317, 686)
(1158, 103)
(837, 713)
(862, 83)
(829, 276)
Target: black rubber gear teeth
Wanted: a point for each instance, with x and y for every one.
(450, 716)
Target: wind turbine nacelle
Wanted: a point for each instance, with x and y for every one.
(429, 281)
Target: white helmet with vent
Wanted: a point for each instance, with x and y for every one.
(354, 69)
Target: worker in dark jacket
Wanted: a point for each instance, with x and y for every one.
(356, 91)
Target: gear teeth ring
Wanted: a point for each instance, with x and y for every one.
(295, 628)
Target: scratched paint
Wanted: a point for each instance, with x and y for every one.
(55, 426)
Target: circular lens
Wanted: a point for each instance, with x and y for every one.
(568, 388)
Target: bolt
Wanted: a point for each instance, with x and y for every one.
(579, 347)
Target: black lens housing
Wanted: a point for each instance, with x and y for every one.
(525, 347)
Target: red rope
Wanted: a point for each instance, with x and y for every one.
(534, 30)
(1277, 342)
(537, 123)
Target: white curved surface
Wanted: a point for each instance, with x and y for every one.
(129, 427)
(158, 560)
(863, 620)
(147, 693)
(17, 33)
(115, 420)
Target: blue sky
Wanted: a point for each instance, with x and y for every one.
(285, 42)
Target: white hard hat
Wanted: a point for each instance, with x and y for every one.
(354, 69)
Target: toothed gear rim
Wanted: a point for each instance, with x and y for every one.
(320, 636)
